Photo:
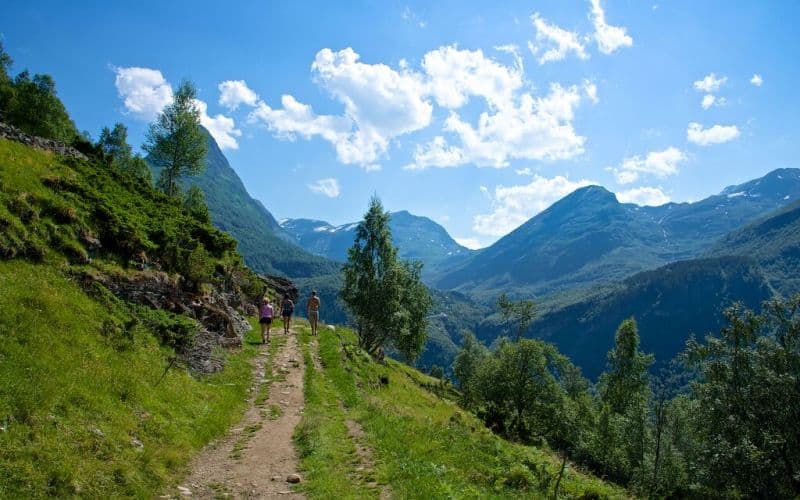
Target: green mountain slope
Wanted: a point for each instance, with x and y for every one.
(376, 430)
(265, 246)
(774, 242)
(669, 303)
(96, 399)
(588, 238)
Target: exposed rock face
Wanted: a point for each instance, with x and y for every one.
(217, 312)
(281, 286)
(14, 134)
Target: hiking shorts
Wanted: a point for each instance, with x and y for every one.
(265, 321)
(313, 315)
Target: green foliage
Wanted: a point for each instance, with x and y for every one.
(516, 313)
(386, 297)
(32, 105)
(421, 446)
(747, 402)
(469, 358)
(175, 141)
(114, 143)
(195, 202)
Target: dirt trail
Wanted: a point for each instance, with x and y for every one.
(256, 458)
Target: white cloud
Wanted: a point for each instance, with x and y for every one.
(454, 75)
(645, 196)
(590, 89)
(513, 205)
(233, 93)
(329, 187)
(381, 102)
(609, 38)
(660, 164)
(145, 91)
(436, 153)
(534, 129)
(554, 43)
(469, 242)
(222, 128)
(708, 101)
(710, 83)
(524, 171)
(717, 134)
(757, 80)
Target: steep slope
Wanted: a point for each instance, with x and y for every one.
(669, 303)
(264, 245)
(109, 291)
(588, 238)
(416, 237)
(774, 242)
(584, 238)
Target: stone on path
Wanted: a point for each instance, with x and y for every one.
(293, 478)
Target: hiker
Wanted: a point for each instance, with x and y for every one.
(267, 313)
(312, 311)
(287, 309)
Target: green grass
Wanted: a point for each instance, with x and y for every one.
(73, 400)
(423, 446)
(327, 455)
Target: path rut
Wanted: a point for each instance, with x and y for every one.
(256, 458)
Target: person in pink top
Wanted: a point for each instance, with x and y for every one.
(266, 319)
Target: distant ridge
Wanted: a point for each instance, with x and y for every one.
(588, 237)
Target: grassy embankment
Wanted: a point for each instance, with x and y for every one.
(421, 445)
(86, 408)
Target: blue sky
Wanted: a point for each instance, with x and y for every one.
(475, 115)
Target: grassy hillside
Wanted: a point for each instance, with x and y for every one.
(84, 412)
(87, 405)
(371, 429)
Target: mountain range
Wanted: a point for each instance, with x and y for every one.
(588, 237)
(417, 238)
(588, 260)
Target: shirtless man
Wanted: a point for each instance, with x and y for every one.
(312, 310)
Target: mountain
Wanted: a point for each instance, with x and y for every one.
(588, 237)
(416, 237)
(266, 247)
(670, 303)
(774, 242)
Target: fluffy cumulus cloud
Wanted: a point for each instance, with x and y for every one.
(710, 83)
(454, 75)
(380, 103)
(716, 134)
(233, 93)
(534, 128)
(708, 101)
(554, 43)
(660, 164)
(144, 91)
(328, 187)
(513, 205)
(609, 38)
(646, 196)
(222, 128)
(756, 80)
